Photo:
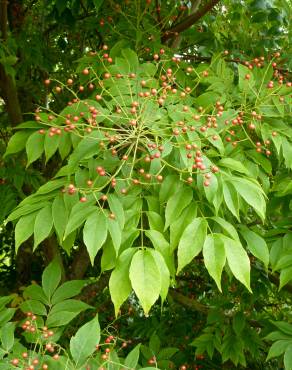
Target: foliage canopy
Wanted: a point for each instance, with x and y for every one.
(147, 157)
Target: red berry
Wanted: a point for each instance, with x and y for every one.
(15, 361)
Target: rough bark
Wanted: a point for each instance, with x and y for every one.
(51, 251)
(80, 263)
(189, 21)
(177, 41)
(8, 88)
(23, 261)
(90, 291)
(187, 302)
(193, 305)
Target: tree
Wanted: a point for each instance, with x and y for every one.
(152, 178)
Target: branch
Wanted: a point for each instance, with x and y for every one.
(80, 263)
(158, 12)
(94, 289)
(190, 303)
(194, 305)
(189, 21)
(3, 19)
(276, 280)
(7, 84)
(177, 41)
(51, 251)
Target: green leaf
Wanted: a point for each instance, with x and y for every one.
(145, 278)
(34, 147)
(35, 292)
(43, 225)
(113, 361)
(8, 60)
(155, 221)
(214, 257)
(167, 353)
(117, 209)
(258, 158)
(252, 194)
(176, 204)
(238, 323)
(231, 199)
(97, 4)
(284, 327)
(162, 246)
(288, 358)
(287, 152)
(78, 215)
(115, 233)
(95, 233)
(24, 229)
(5, 300)
(283, 262)
(4, 366)
(29, 124)
(212, 190)
(25, 210)
(227, 227)
(277, 335)
(158, 240)
(177, 227)
(51, 145)
(233, 165)
(119, 283)
(7, 335)
(256, 244)
(64, 145)
(87, 147)
(278, 348)
(33, 306)
(17, 142)
(238, 260)
(131, 58)
(60, 216)
(68, 242)
(245, 84)
(51, 186)
(6, 315)
(285, 276)
(191, 242)
(167, 188)
(154, 343)
(164, 273)
(108, 258)
(84, 343)
(131, 361)
(51, 278)
(67, 290)
(70, 305)
(61, 318)
(207, 99)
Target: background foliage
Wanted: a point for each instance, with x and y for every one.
(145, 184)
